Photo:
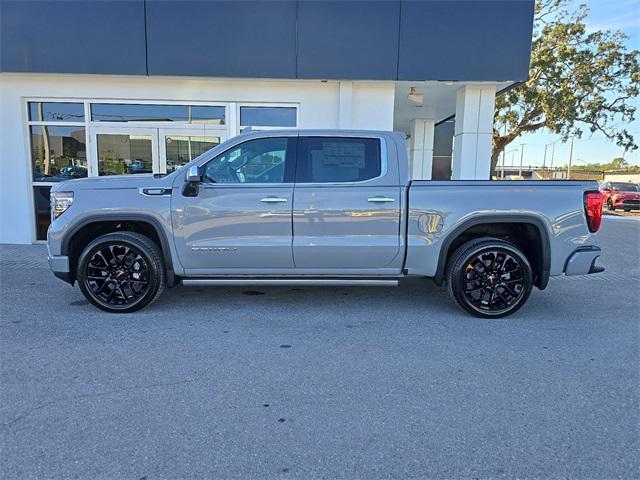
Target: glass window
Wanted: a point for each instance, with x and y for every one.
(181, 149)
(624, 187)
(42, 210)
(56, 112)
(124, 154)
(256, 161)
(268, 116)
(122, 112)
(58, 153)
(334, 160)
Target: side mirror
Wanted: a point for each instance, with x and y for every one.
(192, 183)
(193, 175)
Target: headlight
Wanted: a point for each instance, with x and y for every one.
(60, 201)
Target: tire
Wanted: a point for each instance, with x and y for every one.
(132, 267)
(610, 206)
(489, 290)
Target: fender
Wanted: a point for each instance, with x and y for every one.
(138, 217)
(506, 218)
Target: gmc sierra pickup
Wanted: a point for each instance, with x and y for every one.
(297, 207)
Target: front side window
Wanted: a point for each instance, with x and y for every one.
(338, 159)
(256, 161)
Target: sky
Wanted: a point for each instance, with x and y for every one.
(603, 15)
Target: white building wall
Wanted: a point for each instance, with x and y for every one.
(473, 134)
(318, 107)
(421, 148)
(372, 107)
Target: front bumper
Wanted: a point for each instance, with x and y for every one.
(583, 261)
(59, 265)
(629, 205)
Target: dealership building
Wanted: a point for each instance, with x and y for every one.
(92, 88)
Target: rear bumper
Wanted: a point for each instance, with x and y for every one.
(583, 261)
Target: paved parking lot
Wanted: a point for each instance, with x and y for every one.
(322, 382)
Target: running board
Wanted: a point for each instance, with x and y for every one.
(276, 282)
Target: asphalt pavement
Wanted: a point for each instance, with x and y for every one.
(322, 382)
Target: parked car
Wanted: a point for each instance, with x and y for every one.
(624, 195)
(73, 171)
(319, 208)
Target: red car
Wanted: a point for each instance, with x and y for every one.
(625, 195)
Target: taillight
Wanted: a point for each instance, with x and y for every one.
(593, 210)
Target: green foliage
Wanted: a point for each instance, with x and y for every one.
(617, 163)
(578, 81)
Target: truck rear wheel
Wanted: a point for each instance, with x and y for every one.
(121, 272)
(489, 277)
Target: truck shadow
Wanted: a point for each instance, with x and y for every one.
(412, 296)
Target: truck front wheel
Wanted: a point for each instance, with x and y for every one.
(489, 277)
(121, 272)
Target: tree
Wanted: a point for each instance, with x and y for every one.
(577, 80)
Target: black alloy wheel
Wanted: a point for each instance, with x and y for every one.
(489, 278)
(121, 272)
(610, 205)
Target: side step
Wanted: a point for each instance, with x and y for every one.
(276, 282)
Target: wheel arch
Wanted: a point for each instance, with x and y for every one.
(469, 228)
(94, 226)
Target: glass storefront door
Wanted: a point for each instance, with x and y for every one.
(130, 150)
(124, 151)
(179, 146)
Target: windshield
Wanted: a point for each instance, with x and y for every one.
(625, 187)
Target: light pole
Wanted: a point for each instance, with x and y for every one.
(544, 158)
(521, 157)
(570, 159)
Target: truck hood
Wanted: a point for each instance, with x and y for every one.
(115, 182)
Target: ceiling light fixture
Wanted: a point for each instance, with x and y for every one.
(414, 97)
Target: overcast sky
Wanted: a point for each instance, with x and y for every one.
(604, 14)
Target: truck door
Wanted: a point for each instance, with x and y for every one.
(346, 211)
(241, 217)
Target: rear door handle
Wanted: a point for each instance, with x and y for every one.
(274, 200)
(380, 199)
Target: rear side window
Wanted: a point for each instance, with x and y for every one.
(337, 159)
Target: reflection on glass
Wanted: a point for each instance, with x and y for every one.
(42, 211)
(56, 112)
(255, 161)
(268, 116)
(58, 153)
(122, 112)
(182, 149)
(124, 154)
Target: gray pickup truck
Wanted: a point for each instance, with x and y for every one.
(295, 207)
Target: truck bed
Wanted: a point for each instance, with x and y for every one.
(442, 210)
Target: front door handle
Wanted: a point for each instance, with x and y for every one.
(274, 200)
(380, 199)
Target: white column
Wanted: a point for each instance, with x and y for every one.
(421, 148)
(345, 104)
(473, 132)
